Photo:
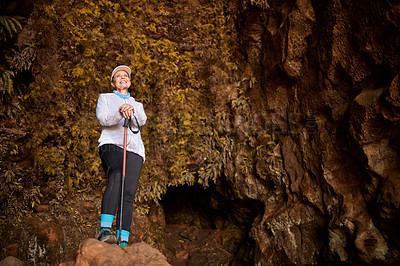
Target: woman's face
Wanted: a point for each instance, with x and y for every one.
(121, 81)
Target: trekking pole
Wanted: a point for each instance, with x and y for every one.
(126, 123)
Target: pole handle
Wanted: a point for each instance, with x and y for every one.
(126, 122)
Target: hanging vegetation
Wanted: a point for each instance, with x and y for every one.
(75, 46)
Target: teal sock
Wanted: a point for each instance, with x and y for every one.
(124, 235)
(106, 220)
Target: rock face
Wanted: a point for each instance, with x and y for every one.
(326, 84)
(317, 141)
(94, 252)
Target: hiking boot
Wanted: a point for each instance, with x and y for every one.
(106, 236)
(123, 244)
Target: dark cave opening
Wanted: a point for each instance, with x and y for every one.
(201, 222)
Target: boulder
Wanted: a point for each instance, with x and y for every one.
(94, 252)
(11, 261)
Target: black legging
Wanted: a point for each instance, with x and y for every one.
(111, 158)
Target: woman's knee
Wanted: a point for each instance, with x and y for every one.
(115, 174)
(129, 196)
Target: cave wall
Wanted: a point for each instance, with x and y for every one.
(325, 84)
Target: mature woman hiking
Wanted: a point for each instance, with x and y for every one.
(111, 111)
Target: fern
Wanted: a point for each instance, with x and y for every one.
(9, 24)
(22, 61)
(6, 82)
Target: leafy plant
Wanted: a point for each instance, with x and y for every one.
(9, 25)
(7, 82)
(188, 136)
(23, 60)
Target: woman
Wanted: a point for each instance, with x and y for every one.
(111, 111)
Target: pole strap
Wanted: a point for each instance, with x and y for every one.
(128, 124)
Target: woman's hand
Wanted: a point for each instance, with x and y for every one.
(126, 110)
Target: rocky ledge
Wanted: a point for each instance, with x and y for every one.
(94, 252)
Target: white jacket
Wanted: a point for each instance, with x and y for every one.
(112, 121)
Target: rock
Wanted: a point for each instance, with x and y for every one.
(12, 250)
(94, 252)
(11, 261)
(340, 177)
(289, 236)
(337, 242)
(301, 20)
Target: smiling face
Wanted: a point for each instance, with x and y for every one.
(121, 81)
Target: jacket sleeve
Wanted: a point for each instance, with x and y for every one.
(140, 114)
(106, 116)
